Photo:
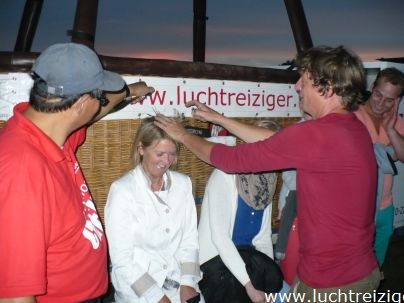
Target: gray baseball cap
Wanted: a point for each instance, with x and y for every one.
(73, 69)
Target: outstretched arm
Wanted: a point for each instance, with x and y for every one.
(137, 91)
(255, 295)
(197, 145)
(246, 132)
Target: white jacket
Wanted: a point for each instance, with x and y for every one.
(150, 240)
(216, 224)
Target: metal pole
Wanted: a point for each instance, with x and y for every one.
(85, 23)
(28, 25)
(299, 25)
(199, 30)
(19, 62)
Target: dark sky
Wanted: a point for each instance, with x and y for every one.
(254, 33)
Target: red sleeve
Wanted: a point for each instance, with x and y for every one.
(286, 149)
(400, 125)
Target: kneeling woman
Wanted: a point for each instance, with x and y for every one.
(150, 221)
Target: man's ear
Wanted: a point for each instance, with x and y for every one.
(78, 106)
(329, 92)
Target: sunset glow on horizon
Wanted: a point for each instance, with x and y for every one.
(237, 32)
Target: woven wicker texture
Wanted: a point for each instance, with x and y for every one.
(105, 156)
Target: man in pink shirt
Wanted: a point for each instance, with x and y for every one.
(336, 172)
(386, 127)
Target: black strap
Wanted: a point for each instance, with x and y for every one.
(81, 35)
(393, 165)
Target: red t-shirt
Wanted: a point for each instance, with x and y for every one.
(52, 242)
(336, 182)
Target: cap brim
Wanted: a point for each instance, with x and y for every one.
(112, 82)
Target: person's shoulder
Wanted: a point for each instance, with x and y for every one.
(179, 176)
(124, 179)
(20, 162)
(11, 132)
(400, 118)
(220, 178)
(217, 173)
(15, 146)
(360, 113)
(400, 124)
(301, 126)
(180, 182)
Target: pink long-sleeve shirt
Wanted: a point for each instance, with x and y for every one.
(336, 183)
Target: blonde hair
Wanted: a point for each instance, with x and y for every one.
(147, 134)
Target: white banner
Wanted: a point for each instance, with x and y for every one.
(232, 98)
(14, 88)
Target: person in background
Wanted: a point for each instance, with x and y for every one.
(237, 214)
(386, 128)
(335, 186)
(53, 247)
(151, 225)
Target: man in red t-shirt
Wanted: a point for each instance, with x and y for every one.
(336, 172)
(53, 247)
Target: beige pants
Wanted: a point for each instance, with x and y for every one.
(360, 291)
